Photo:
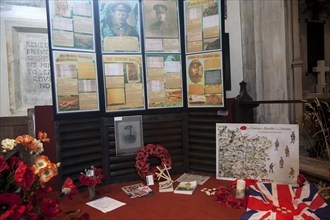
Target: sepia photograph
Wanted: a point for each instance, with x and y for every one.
(129, 134)
(132, 72)
(195, 71)
(120, 24)
(161, 19)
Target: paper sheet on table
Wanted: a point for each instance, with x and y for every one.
(105, 204)
(187, 177)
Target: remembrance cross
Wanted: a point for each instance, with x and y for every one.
(320, 69)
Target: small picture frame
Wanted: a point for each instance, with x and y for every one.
(129, 134)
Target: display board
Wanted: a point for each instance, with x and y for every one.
(123, 82)
(75, 81)
(120, 26)
(135, 55)
(164, 80)
(203, 41)
(72, 24)
(161, 26)
(267, 152)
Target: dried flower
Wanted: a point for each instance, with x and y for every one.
(316, 127)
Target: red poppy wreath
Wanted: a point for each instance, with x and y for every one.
(142, 159)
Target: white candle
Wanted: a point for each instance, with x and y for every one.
(240, 189)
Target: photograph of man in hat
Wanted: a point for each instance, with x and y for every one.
(161, 27)
(161, 19)
(195, 71)
(117, 21)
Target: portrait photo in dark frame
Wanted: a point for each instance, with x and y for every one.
(129, 134)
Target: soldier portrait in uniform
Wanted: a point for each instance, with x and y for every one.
(117, 15)
(161, 19)
(195, 71)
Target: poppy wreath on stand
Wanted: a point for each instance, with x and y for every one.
(142, 159)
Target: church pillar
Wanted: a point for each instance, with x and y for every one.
(266, 57)
(296, 61)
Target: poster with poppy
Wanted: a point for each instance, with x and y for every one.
(268, 152)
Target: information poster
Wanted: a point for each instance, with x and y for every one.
(123, 79)
(72, 24)
(267, 152)
(205, 80)
(120, 25)
(76, 82)
(202, 25)
(161, 29)
(164, 81)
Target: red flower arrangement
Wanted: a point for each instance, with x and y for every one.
(91, 176)
(23, 194)
(226, 195)
(142, 159)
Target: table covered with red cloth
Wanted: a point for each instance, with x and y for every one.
(160, 205)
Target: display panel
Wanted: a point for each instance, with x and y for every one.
(72, 24)
(164, 81)
(124, 82)
(203, 25)
(134, 36)
(205, 80)
(76, 82)
(161, 26)
(120, 26)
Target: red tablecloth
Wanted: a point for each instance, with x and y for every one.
(166, 205)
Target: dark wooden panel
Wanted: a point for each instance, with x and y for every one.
(202, 142)
(80, 146)
(163, 129)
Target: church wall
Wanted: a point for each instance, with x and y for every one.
(310, 79)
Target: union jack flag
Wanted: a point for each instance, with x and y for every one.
(280, 201)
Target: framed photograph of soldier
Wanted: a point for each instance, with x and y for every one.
(129, 134)
(161, 24)
(120, 25)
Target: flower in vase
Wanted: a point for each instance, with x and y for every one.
(91, 176)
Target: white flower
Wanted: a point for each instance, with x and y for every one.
(40, 148)
(8, 144)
